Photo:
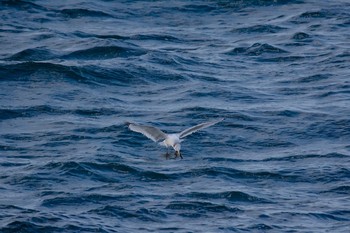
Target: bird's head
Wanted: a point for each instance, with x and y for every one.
(177, 147)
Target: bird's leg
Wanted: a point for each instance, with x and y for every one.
(167, 155)
(178, 153)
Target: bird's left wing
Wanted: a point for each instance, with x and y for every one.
(152, 133)
(195, 128)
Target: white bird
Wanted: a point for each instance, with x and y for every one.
(169, 140)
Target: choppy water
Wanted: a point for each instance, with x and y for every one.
(71, 72)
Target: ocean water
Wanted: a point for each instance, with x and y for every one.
(72, 72)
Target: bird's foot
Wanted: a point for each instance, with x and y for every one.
(177, 153)
(167, 155)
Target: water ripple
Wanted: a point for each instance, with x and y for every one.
(71, 73)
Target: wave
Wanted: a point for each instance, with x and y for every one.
(104, 52)
(94, 53)
(255, 3)
(106, 172)
(232, 196)
(23, 70)
(46, 224)
(82, 12)
(316, 78)
(256, 49)
(38, 110)
(342, 189)
(322, 14)
(237, 174)
(330, 128)
(199, 206)
(283, 59)
(36, 54)
(29, 226)
(22, 5)
(135, 37)
(29, 112)
(301, 157)
(143, 214)
(82, 74)
(82, 34)
(259, 29)
(68, 199)
(262, 227)
(301, 36)
(323, 216)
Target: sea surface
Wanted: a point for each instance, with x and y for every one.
(72, 72)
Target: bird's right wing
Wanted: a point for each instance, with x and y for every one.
(151, 132)
(195, 128)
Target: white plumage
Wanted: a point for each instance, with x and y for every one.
(169, 140)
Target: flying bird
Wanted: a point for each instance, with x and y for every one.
(169, 140)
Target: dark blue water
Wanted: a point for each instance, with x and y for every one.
(72, 72)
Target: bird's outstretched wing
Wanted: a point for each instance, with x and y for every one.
(151, 132)
(195, 128)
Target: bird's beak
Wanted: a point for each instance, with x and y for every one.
(178, 153)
